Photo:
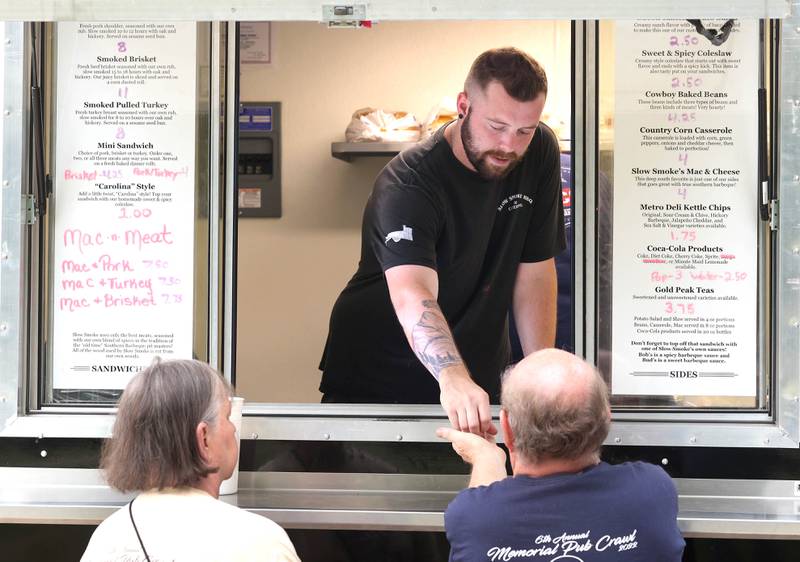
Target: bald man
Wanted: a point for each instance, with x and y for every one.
(562, 502)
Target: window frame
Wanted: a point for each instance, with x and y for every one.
(417, 423)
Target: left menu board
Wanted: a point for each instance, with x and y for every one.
(123, 236)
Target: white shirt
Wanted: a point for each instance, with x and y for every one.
(187, 524)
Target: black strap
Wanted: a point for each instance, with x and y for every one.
(130, 512)
(717, 38)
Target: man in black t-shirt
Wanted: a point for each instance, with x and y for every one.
(458, 229)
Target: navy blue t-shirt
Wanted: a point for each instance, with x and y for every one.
(619, 513)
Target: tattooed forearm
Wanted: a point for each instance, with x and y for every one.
(433, 342)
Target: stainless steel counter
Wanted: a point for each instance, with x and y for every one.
(763, 509)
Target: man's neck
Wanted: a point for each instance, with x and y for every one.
(553, 466)
(452, 134)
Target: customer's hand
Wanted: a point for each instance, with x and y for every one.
(472, 448)
(487, 459)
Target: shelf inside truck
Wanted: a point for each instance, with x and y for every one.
(348, 150)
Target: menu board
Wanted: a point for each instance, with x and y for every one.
(123, 237)
(685, 211)
(2, 139)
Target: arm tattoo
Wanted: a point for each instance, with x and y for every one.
(433, 342)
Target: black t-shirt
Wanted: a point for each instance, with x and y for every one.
(428, 209)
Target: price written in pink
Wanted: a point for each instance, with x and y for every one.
(679, 275)
(93, 174)
(683, 235)
(108, 300)
(683, 40)
(76, 288)
(118, 292)
(106, 263)
(679, 308)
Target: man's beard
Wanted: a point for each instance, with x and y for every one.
(480, 160)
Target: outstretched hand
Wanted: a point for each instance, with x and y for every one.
(470, 447)
(466, 404)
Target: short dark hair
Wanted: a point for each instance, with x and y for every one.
(522, 77)
(153, 443)
(554, 427)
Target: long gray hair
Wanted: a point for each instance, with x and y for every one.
(154, 443)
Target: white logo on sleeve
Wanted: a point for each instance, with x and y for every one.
(397, 235)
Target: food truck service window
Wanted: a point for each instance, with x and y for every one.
(666, 131)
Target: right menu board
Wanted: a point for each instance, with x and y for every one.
(685, 230)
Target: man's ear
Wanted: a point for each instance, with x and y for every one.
(505, 425)
(462, 103)
(201, 434)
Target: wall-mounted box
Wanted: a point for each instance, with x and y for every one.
(259, 159)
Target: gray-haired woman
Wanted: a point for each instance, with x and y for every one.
(174, 442)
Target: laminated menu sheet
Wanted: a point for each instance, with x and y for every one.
(123, 236)
(685, 231)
